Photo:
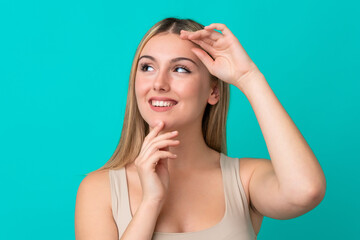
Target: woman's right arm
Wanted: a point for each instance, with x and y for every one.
(143, 223)
(151, 165)
(93, 214)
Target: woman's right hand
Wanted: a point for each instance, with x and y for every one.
(151, 164)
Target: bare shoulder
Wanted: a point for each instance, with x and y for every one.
(97, 181)
(97, 185)
(93, 214)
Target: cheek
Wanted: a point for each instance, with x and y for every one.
(197, 90)
(141, 87)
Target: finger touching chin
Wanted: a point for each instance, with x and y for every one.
(156, 122)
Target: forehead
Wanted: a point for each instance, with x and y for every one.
(168, 44)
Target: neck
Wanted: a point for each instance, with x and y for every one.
(192, 152)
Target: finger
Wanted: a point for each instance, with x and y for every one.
(163, 144)
(160, 155)
(163, 154)
(159, 138)
(205, 46)
(159, 146)
(154, 159)
(154, 132)
(206, 40)
(214, 35)
(152, 156)
(205, 58)
(219, 26)
(201, 34)
(165, 136)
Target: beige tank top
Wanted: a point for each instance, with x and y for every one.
(236, 223)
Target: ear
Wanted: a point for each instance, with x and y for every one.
(214, 96)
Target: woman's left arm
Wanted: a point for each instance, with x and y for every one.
(292, 183)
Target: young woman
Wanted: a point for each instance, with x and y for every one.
(170, 177)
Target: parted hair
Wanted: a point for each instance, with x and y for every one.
(135, 128)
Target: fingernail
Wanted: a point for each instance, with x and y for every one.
(174, 132)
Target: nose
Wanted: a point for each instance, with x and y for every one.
(161, 82)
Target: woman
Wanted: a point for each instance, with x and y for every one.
(169, 177)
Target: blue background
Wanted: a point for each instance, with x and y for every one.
(64, 68)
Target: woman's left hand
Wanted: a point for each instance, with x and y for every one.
(229, 61)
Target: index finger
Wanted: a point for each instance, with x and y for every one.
(219, 26)
(203, 33)
(155, 131)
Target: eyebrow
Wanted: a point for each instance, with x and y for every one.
(172, 60)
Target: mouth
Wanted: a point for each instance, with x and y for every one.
(157, 103)
(162, 105)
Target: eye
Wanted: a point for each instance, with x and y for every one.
(182, 69)
(145, 67)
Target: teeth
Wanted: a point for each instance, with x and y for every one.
(162, 103)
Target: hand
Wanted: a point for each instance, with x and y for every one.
(151, 163)
(229, 61)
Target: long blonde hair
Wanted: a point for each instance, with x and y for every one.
(135, 128)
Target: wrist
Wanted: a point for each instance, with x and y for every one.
(153, 204)
(247, 81)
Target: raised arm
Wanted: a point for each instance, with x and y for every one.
(293, 182)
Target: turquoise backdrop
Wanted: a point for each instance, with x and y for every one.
(64, 68)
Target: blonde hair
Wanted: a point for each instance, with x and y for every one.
(135, 128)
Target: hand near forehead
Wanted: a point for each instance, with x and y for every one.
(229, 61)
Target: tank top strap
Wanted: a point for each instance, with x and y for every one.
(234, 189)
(120, 198)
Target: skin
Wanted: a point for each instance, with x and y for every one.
(161, 77)
(188, 82)
(192, 91)
(289, 185)
(293, 182)
(187, 161)
(162, 185)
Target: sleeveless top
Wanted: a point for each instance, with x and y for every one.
(236, 223)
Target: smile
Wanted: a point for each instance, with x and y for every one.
(156, 103)
(161, 106)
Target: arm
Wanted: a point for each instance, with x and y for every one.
(145, 217)
(292, 183)
(93, 215)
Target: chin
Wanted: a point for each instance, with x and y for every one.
(168, 125)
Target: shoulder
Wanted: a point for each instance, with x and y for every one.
(97, 177)
(95, 182)
(93, 214)
(97, 186)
